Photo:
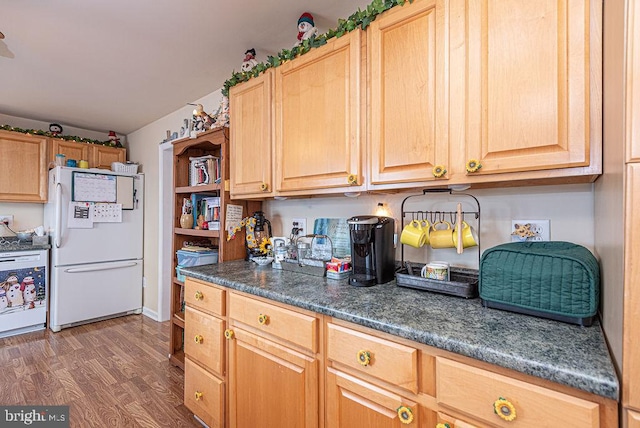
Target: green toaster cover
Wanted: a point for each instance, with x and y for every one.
(551, 279)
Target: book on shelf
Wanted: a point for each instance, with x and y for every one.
(204, 170)
(207, 206)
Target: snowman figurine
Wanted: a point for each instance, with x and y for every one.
(306, 28)
(113, 138)
(249, 61)
(14, 293)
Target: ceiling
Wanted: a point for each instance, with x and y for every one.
(120, 65)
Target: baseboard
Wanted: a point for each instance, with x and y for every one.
(149, 313)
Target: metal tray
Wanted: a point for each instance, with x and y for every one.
(463, 282)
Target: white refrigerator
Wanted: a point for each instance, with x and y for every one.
(95, 221)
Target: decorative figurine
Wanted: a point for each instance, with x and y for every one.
(306, 28)
(113, 138)
(55, 129)
(249, 60)
(222, 115)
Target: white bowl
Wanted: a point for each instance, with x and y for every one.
(261, 261)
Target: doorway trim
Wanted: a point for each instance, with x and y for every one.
(165, 227)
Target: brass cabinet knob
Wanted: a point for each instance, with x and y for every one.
(198, 339)
(364, 357)
(405, 414)
(198, 395)
(199, 295)
(263, 319)
(264, 187)
(504, 409)
(352, 179)
(228, 334)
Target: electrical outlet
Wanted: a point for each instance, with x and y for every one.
(301, 224)
(7, 219)
(530, 230)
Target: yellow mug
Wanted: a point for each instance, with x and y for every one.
(469, 236)
(83, 164)
(441, 238)
(414, 234)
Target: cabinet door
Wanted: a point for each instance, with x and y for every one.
(408, 110)
(318, 118)
(631, 347)
(270, 385)
(23, 168)
(251, 106)
(71, 150)
(103, 156)
(354, 403)
(527, 97)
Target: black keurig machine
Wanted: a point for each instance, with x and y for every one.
(372, 252)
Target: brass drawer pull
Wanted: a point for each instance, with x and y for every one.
(199, 295)
(198, 339)
(198, 395)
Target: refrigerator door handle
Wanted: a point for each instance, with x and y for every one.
(97, 268)
(58, 215)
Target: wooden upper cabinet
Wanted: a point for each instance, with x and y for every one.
(97, 155)
(23, 167)
(251, 133)
(527, 90)
(103, 156)
(71, 150)
(318, 119)
(408, 109)
(633, 82)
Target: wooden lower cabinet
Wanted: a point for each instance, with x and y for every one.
(356, 403)
(288, 367)
(271, 385)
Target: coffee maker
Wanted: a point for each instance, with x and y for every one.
(372, 250)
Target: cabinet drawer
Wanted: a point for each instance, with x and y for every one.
(282, 323)
(474, 391)
(204, 339)
(203, 296)
(203, 394)
(389, 361)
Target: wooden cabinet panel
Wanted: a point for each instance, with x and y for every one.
(270, 385)
(633, 82)
(631, 347)
(23, 167)
(408, 81)
(204, 339)
(354, 403)
(204, 394)
(203, 296)
(389, 361)
(251, 134)
(284, 324)
(527, 95)
(71, 150)
(473, 391)
(103, 156)
(318, 118)
(454, 422)
(633, 419)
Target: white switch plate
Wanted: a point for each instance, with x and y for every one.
(537, 230)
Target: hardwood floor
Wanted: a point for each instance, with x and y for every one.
(110, 373)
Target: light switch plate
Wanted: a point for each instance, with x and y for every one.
(530, 230)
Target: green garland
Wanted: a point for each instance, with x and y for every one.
(62, 137)
(360, 18)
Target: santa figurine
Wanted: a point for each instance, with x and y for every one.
(306, 28)
(115, 141)
(249, 60)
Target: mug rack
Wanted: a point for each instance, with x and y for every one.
(463, 282)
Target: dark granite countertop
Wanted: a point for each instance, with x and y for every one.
(563, 353)
(13, 244)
